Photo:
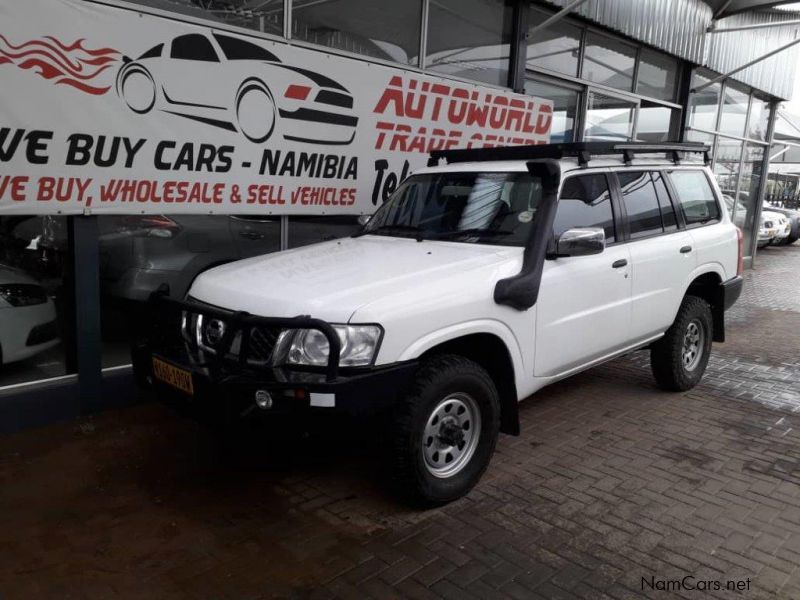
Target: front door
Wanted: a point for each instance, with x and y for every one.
(584, 308)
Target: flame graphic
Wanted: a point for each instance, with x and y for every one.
(72, 65)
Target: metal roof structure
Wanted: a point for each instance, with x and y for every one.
(726, 8)
(685, 28)
(722, 35)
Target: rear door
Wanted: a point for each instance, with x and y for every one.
(697, 205)
(583, 311)
(662, 254)
(191, 77)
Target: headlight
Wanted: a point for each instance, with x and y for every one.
(22, 294)
(309, 347)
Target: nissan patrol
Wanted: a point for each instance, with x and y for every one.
(484, 277)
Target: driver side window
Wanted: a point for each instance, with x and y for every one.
(585, 201)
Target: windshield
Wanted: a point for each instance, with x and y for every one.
(486, 208)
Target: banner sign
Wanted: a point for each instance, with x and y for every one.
(108, 110)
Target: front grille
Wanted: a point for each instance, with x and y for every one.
(42, 333)
(206, 333)
(335, 98)
(262, 343)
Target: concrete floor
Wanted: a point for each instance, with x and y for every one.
(612, 484)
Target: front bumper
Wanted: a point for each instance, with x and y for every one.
(731, 290)
(232, 390)
(230, 387)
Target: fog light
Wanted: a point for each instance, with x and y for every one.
(263, 399)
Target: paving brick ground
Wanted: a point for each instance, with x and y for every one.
(610, 483)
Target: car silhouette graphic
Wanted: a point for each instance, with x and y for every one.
(234, 84)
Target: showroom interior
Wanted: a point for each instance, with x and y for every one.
(664, 70)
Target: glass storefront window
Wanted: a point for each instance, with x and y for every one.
(470, 39)
(381, 28)
(609, 118)
(656, 123)
(699, 136)
(266, 15)
(139, 253)
(748, 199)
(726, 166)
(310, 230)
(658, 75)
(565, 108)
(34, 305)
(704, 105)
(759, 119)
(609, 62)
(556, 48)
(735, 102)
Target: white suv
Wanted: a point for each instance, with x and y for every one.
(485, 277)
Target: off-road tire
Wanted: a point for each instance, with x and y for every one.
(667, 354)
(437, 379)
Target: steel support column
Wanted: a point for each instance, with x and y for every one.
(85, 296)
(762, 184)
(519, 46)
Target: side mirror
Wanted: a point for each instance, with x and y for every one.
(581, 241)
(364, 219)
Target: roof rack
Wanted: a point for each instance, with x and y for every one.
(583, 151)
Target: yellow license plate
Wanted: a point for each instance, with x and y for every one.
(178, 378)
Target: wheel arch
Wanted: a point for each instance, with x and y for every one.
(705, 284)
(491, 352)
(249, 83)
(126, 71)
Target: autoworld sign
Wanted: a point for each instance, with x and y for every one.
(106, 110)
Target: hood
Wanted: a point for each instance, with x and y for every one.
(333, 279)
(767, 215)
(12, 275)
(788, 212)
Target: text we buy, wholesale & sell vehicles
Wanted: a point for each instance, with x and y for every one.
(484, 277)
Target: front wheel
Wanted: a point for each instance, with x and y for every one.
(445, 430)
(679, 359)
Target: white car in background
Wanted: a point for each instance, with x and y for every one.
(782, 230)
(27, 317)
(768, 229)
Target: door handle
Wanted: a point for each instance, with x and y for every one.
(686, 249)
(619, 263)
(251, 235)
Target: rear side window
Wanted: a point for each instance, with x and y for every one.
(641, 203)
(236, 49)
(695, 196)
(193, 47)
(585, 201)
(154, 52)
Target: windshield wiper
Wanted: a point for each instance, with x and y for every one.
(399, 228)
(468, 232)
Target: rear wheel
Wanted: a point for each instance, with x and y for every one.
(679, 359)
(445, 430)
(138, 89)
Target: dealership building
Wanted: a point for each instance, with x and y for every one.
(127, 160)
